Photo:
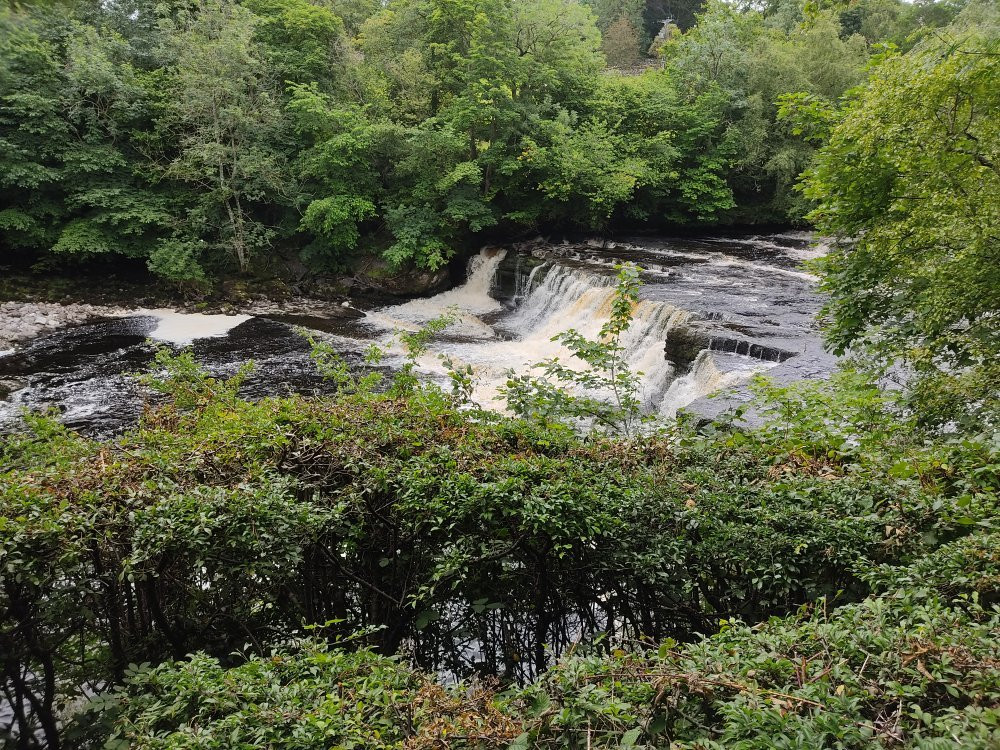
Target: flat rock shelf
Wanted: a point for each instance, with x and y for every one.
(713, 312)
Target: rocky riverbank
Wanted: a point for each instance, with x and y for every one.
(20, 321)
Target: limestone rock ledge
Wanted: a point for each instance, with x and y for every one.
(24, 320)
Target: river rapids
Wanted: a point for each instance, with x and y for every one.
(713, 311)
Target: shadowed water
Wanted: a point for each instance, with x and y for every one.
(713, 311)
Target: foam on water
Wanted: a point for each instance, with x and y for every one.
(183, 328)
(717, 259)
(566, 297)
(466, 303)
(704, 378)
(471, 297)
(814, 247)
(733, 262)
(575, 298)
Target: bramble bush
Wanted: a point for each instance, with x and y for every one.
(471, 547)
(901, 670)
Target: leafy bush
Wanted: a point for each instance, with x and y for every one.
(312, 697)
(471, 545)
(900, 671)
(896, 672)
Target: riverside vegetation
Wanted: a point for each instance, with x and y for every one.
(393, 567)
(204, 137)
(293, 573)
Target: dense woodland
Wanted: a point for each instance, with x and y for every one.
(395, 568)
(208, 137)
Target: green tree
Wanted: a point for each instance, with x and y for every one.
(751, 61)
(353, 13)
(73, 98)
(302, 42)
(609, 12)
(437, 200)
(584, 171)
(478, 76)
(343, 162)
(115, 209)
(223, 115)
(557, 45)
(909, 187)
(622, 44)
(33, 134)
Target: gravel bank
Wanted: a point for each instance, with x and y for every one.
(24, 320)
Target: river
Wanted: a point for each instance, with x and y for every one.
(714, 310)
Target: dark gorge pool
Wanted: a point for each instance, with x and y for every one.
(713, 311)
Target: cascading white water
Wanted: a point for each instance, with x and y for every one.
(578, 299)
(466, 303)
(566, 297)
(524, 283)
(704, 377)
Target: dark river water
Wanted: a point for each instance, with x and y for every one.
(714, 311)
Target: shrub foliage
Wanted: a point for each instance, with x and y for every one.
(485, 549)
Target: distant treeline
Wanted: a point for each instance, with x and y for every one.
(206, 136)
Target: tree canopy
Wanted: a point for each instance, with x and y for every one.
(225, 136)
(908, 184)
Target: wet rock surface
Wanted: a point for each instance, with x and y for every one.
(87, 372)
(750, 297)
(20, 321)
(405, 282)
(714, 311)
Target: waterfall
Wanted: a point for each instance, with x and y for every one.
(471, 297)
(551, 299)
(466, 302)
(704, 378)
(524, 283)
(577, 298)
(565, 297)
